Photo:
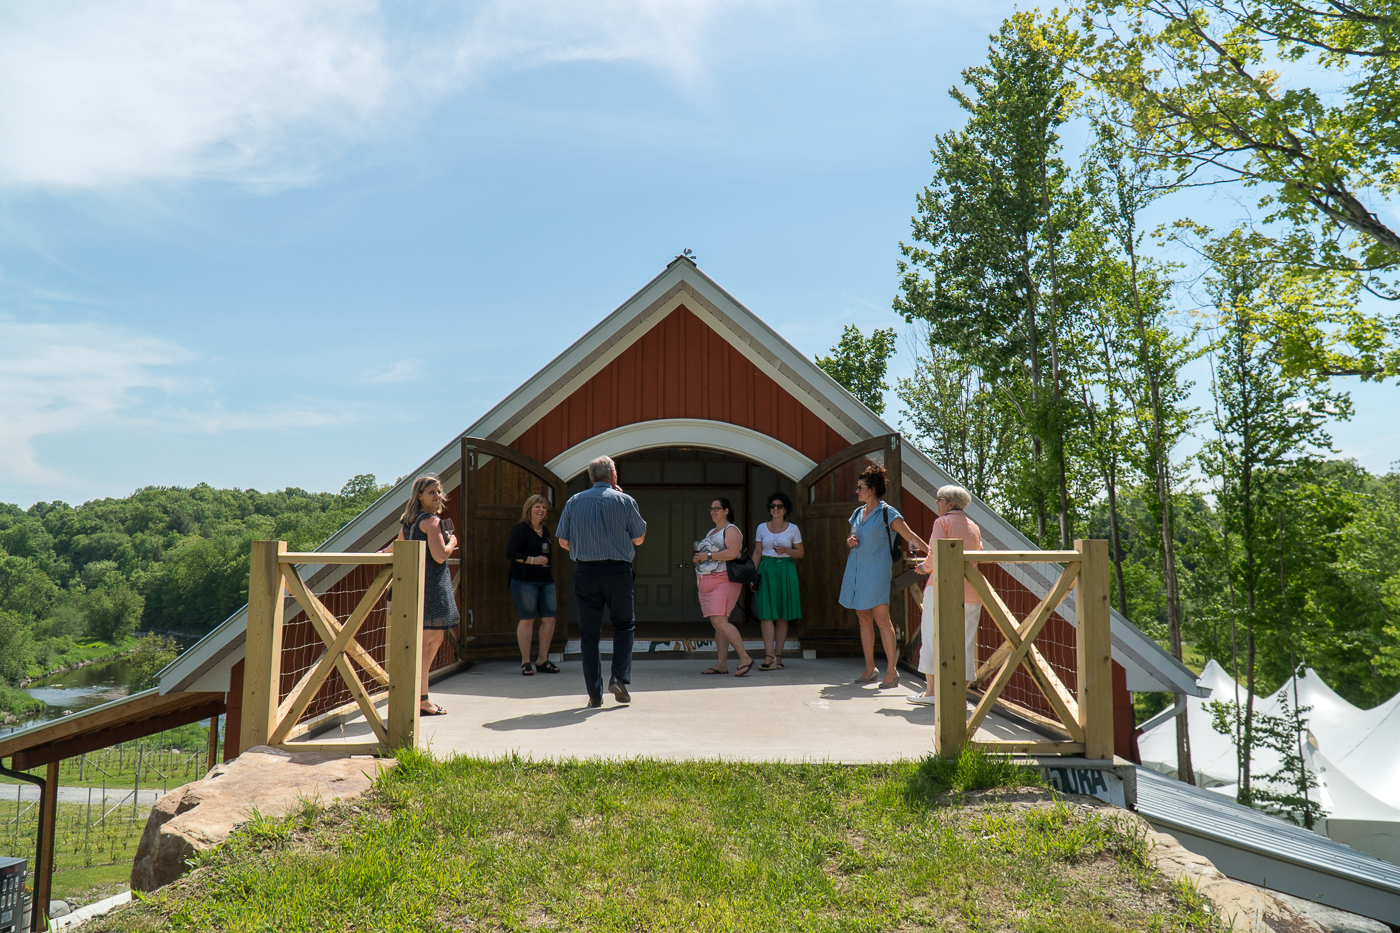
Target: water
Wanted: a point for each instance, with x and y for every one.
(82, 689)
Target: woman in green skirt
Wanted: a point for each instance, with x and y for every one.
(779, 543)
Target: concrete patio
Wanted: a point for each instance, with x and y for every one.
(810, 711)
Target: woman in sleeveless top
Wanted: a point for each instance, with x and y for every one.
(420, 521)
(777, 543)
(718, 596)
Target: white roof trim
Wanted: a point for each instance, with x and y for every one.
(1148, 666)
(690, 432)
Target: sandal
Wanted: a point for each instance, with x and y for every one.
(547, 667)
(768, 664)
(526, 670)
(745, 668)
(714, 670)
(433, 710)
(778, 661)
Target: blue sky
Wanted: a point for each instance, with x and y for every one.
(263, 244)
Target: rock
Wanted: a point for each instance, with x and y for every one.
(200, 815)
(1330, 918)
(1254, 910)
(59, 909)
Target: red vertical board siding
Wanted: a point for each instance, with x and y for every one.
(681, 368)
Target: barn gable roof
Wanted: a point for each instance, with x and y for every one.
(681, 284)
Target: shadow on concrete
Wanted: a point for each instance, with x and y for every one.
(552, 720)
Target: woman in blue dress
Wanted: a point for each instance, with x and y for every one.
(866, 585)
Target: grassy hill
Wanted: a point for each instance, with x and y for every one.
(468, 844)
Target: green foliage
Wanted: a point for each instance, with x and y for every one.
(16, 647)
(1209, 88)
(859, 363)
(151, 655)
(162, 559)
(112, 610)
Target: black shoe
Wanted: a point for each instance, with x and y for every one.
(619, 690)
(595, 702)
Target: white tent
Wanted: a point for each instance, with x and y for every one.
(1354, 753)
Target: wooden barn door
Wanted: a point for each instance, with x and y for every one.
(497, 482)
(826, 497)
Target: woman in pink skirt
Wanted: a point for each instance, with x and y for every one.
(718, 596)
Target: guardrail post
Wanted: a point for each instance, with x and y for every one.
(405, 644)
(949, 684)
(262, 666)
(1094, 649)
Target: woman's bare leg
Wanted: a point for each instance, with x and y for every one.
(866, 618)
(721, 646)
(891, 643)
(432, 641)
(523, 633)
(726, 632)
(766, 626)
(780, 637)
(546, 636)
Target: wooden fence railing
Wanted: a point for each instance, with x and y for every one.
(268, 718)
(1084, 717)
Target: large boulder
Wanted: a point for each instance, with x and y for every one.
(200, 815)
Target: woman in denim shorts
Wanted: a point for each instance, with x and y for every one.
(532, 583)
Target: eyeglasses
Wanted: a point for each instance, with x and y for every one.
(777, 505)
(718, 508)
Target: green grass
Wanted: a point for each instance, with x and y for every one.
(469, 844)
(65, 653)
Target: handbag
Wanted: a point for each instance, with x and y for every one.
(741, 569)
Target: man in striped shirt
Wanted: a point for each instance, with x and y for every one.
(600, 528)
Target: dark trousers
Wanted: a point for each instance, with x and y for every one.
(598, 583)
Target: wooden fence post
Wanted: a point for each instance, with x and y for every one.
(1094, 649)
(262, 665)
(405, 644)
(950, 687)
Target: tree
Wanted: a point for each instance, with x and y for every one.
(112, 610)
(964, 425)
(1265, 422)
(1137, 299)
(990, 268)
(16, 647)
(1204, 85)
(859, 363)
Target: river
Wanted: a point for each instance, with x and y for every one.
(75, 691)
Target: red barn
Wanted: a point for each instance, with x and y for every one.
(694, 396)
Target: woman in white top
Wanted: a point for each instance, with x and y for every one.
(718, 596)
(778, 542)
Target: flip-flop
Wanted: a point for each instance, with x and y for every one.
(712, 670)
(435, 711)
(745, 669)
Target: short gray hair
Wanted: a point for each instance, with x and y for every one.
(958, 496)
(601, 469)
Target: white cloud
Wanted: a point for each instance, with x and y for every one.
(266, 93)
(401, 371)
(57, 378)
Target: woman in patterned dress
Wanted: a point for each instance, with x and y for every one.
(420, 521)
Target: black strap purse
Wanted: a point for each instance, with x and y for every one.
(741, 569)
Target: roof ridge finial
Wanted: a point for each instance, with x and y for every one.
(687, 255)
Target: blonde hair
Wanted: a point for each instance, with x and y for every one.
(530, 504)
(410, 511)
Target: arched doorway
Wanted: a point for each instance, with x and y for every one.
(673, 487)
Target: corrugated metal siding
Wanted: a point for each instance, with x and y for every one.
(680, 368)
(1162, 799)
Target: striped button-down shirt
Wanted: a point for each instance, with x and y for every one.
(600, 523)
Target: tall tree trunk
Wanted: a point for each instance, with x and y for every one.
(1112, 484)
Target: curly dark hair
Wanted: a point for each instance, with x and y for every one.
(874, 477)
(783, 499)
